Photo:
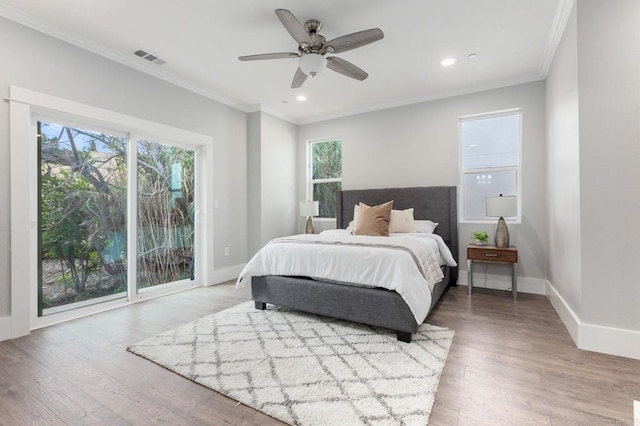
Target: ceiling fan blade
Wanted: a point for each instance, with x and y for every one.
(295, 28)
(262, 56)
(354, 40)
(345, 68)
(298, 79)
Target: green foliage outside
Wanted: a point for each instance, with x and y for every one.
(326, 164)
(165, 214)
(83, 203)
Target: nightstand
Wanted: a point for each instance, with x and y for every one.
(493, 254)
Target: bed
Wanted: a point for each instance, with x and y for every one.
(368, 304)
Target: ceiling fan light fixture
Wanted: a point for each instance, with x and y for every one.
(312, 47)
(312, 64)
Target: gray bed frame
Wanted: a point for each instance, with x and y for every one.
(368, 305)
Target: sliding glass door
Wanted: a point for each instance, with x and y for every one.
(82, 210)
(116, 217)
(165, 225)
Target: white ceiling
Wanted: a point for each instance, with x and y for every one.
(201, 40)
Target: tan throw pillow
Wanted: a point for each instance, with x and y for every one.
(401, 221)
(373, 220)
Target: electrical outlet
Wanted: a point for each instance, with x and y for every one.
(226, 251)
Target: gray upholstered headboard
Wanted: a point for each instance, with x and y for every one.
(436, 203)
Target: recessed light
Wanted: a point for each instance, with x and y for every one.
(472, 56)
(301, 97)
(448, 62)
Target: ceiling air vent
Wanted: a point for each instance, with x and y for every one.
(149, 57)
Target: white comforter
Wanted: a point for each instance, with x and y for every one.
(406, 263)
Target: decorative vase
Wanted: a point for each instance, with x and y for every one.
(502, 234)
(309, 228)
(479, 242)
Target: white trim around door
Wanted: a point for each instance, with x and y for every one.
(24, 105)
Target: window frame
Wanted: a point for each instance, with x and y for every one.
(309, 167)
(26, 108)
(462, 172)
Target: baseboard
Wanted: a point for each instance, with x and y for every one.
(593, 337)
(566, 314)
(502, 282)
(226, 274)
(609, 340)
(5, 328)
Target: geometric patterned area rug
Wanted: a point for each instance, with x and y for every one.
(306, 369)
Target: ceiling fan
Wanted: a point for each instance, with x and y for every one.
(312, 48)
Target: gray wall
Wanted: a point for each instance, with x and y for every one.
(609, 100)
(593, 104)
(254, 191)
(279, 207)
(272, 179)
(41, 63)
(563, 167)
(417, 145)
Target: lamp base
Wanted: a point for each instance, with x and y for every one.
(309, 227)
(502, 234)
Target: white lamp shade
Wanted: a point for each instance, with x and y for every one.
(502, 206)
(309, 208)
(312, 64)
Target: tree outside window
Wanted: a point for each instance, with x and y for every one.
(325, 174)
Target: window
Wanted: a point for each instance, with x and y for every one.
(115, 199)
(85, 190)
(489, 161)
(82, 217)
(325, 174)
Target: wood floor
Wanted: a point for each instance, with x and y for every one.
(511, 363)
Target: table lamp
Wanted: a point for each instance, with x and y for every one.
(309, 209)
(501, 207)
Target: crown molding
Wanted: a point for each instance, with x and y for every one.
(555, 35)
(262, 108)
(131, 62)
(254, 108)
(279, 115)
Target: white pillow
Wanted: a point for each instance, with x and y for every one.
(425, 226)
(351, 226)
(402, 221)
(355, 214)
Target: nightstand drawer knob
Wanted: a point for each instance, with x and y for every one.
(491, 254)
